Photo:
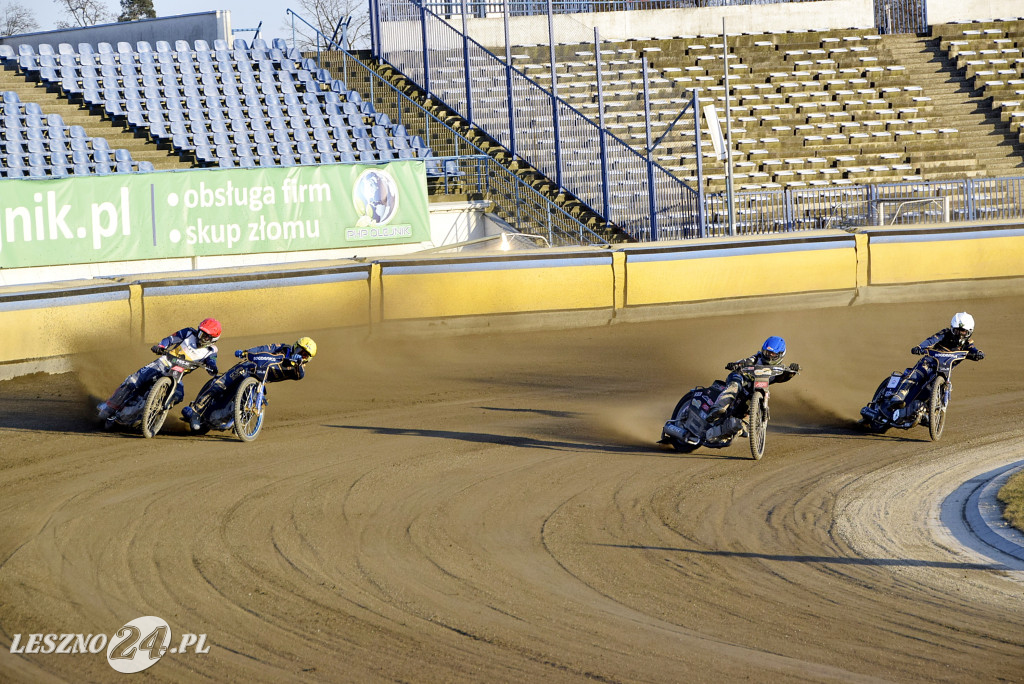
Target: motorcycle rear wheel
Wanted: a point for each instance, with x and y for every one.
(154, 413)
(249, 407)
(936, 410)
(758, 425)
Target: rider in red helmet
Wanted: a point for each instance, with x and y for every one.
(196, 344)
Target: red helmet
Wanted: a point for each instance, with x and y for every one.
(210, 328)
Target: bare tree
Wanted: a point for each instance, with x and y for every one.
(83, 13)
(15, 18)
(326, 15)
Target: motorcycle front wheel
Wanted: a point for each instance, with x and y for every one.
(249, 407)
(154, 413)
(937, 410)
(758, 425)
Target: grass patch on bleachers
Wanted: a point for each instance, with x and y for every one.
(1012, 498)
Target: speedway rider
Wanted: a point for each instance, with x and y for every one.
(957, 337)
(772, 352)
(282, 361)
(194, 344)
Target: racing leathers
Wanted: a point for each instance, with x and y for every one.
(184, 343)
(944, 340)
(735, 380)
(281, 362)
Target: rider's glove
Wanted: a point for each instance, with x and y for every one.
(795, 367)
(917, 350)
(732, 365)
(295, 359)
(156, 349)
(239, 353)
(976, 355)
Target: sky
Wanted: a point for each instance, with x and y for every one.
(244, 13)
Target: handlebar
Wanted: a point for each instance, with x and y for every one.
(766, 370)
(939, 354)
(181, 361)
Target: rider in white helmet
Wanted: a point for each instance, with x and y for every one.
(957, 337)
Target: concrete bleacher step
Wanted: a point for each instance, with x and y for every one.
(94, 125)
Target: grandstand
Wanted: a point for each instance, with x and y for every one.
(214, 106)
(812, 108)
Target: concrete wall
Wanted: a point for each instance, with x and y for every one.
(716, 269)
(577, 28)
(207, 26)
(530, 289)
(779, 18)
(912, 256)
(44, 323)
(496, 284)
(950, 11)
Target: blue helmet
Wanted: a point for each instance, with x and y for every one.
(773, 349)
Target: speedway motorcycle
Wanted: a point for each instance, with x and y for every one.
(147, 407)
(241, 405)
(689, 428)
(925, 404)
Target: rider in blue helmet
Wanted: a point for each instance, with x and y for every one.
(772, 352)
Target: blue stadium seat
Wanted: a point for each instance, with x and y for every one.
(326, 151)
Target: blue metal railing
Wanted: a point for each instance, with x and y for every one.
(856, 206)
(521, 205)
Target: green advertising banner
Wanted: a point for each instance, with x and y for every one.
(205, 212)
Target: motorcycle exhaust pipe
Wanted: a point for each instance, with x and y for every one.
(673, 430)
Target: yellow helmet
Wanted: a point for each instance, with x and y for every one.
(307, 345)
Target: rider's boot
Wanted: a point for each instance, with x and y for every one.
(716, 413)
(192, 416)
(721, 406)
(899, 399)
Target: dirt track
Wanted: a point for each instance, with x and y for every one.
(494, 508)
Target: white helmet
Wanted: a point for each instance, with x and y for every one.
(963, 324)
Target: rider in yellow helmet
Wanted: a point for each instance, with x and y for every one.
(281, 361)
